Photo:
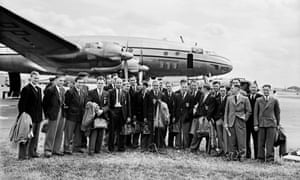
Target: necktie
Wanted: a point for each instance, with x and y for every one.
(100, 94)
(235, 98)
(267, 98)
(118, 95)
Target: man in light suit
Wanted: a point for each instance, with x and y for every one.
(31, 103)
(237, 112)
(53, 105)
(266, 120)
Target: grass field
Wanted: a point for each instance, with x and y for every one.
(136, 165)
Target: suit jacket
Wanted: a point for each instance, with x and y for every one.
(124, 101)
(108, 87)
(219, 108)
(206, 107)
(103, 101)
(241, 109)
(31, 103)
(149, 104)
(183, 107)
(252, 102)
(196, 97)
(266, 114)
(53, 102)
(139, 111)
(133, 98)
(74, 104)
(169, 100)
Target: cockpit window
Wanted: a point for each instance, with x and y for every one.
(197, 50)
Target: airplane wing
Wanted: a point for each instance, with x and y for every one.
(29, 39)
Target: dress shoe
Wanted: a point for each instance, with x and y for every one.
(58, 154)
(80, 150)
(23, 158)
(68, 153)
(47, 154)
(121, 150)
(35, 155)
(91, 154)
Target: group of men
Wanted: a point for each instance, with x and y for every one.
(151, 118)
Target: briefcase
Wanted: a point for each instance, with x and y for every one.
(127, 129)
(100, 123)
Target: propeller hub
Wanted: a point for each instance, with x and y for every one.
(126, 55)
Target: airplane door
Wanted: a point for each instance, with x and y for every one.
(190, 59)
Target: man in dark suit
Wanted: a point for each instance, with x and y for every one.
(53, 105)
(196, 96)
(101, 97)
(203, 109)
(31, 103)
(83, 81)
(266, 121)
(237, 112)
(133, 97)
(218, 116)
(168, 97)
(150, 100)
(120, 114)
(139, 114)
(195, 92)
(74, 108)
(109, 83)
(253, 96)
(181, 116)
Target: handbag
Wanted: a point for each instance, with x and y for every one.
(100, 123)
(45, 127)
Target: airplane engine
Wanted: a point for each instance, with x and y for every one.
(111, 50)
(134, 66)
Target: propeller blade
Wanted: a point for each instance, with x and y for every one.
(126, 70)
(140, 76)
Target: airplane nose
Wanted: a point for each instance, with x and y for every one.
(228, 66)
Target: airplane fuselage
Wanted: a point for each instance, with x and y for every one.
(164, 58)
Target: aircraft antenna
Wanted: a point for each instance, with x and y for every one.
(181, 39)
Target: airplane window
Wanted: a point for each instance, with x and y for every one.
(166, 53)
(177, 53)
(161, 64)
(175, 65)
(168, 65)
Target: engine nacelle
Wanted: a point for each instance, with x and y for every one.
(111, 50)
(134, 66)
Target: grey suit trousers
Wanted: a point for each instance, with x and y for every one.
(237, 140)
(54, 136)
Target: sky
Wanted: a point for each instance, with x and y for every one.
(260, 37)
